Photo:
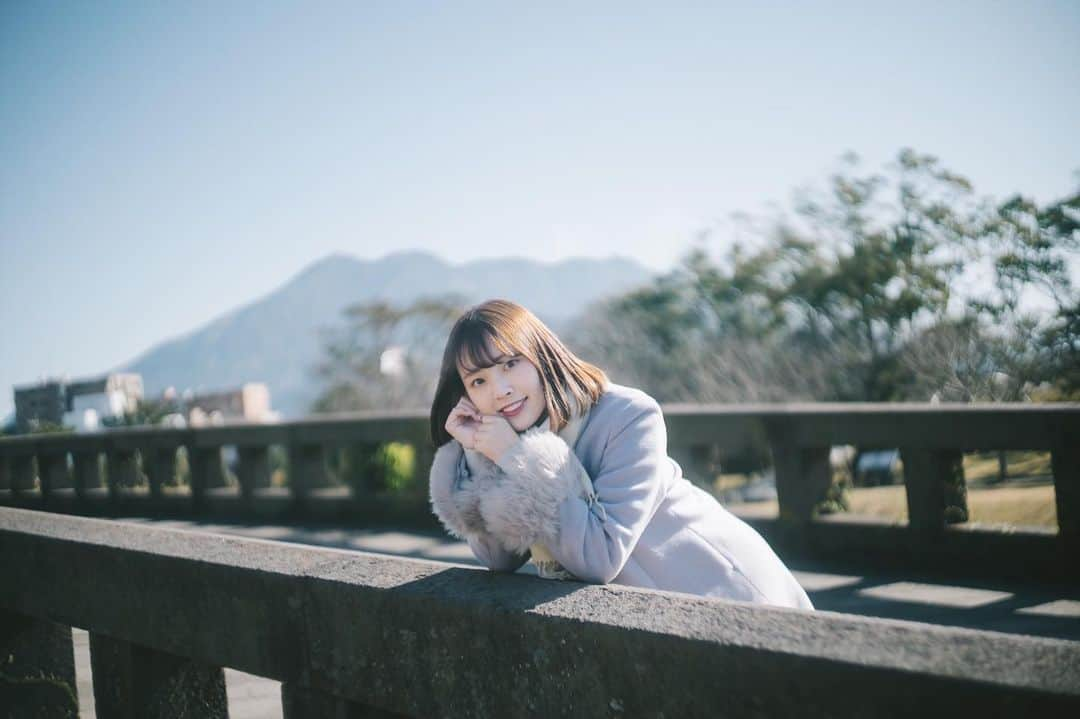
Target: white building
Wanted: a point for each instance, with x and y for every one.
(90, 401)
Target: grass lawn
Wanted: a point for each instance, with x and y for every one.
(1012, 505)
(1024, 499)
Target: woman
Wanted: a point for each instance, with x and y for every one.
(541, 458)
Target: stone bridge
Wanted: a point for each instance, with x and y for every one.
(357, 634)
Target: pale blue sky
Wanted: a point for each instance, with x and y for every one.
(161, 163)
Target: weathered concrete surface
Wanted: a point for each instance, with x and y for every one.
(300, 703)
(134, 681)
(37, 667)
(424, 639)
(250, 697)
(1016, 607)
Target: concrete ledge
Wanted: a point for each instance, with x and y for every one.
(425, 639)
(268, 505)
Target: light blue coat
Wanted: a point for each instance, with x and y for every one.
(643, 523)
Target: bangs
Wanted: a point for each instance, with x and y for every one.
(474, 348)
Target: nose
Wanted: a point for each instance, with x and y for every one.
(502, 387)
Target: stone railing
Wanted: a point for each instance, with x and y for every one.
(63, 473)
(351, 634)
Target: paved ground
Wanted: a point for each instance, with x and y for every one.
(997, 606)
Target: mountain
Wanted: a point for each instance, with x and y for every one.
(276, 338)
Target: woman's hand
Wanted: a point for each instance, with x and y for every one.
(493, 436)
(462, 422)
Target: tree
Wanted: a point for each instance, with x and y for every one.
(869, 269)
(822, 308)
(1031, 250)
(385, 356)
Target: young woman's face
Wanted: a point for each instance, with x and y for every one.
(510, 388)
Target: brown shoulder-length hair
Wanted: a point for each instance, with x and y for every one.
(569, 382)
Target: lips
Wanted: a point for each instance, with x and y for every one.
(511, 410)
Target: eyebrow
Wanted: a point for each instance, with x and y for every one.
(496, 360)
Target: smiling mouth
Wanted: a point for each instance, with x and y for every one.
(512, 409)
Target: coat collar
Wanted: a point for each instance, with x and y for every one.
(574, 425)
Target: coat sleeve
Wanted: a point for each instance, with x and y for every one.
(455, 499)
(540, 498)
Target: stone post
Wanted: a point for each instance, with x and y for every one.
(1066, 468)
(22, 473)
(803, 477)
(253, 470)
(307, 470)
(423, 457)
(207, 472)
(37, 668)
(53, 469)
(123, 471)
(697, 461)
(87, 471)
(936, 492)
(161, 467)
(131, 681)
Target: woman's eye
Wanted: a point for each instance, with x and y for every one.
(510, 363)
(477, 382)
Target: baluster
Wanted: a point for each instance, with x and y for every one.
(53, 468)
(307, 469)
(87, 471)
(698, 462)
(5, 472)
(1066, 468)
(803, 477)
(207, 471)
(22, 472)
(253, 470)
(123, 471)
(135, 681)
(423, 457)
(161, 468)
(935, 487)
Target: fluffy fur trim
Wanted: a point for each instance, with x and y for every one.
(538, 473)
(455, 495)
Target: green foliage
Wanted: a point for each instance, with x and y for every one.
(381, 468)
(146, 412)
(837, 496)
(852, 297)
(1031, 249)
(399, 461)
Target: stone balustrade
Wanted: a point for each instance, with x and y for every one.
(127, 472)
(352, 634)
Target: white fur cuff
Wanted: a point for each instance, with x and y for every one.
(454, 499)
(539, 473)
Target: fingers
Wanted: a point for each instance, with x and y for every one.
(466, 408)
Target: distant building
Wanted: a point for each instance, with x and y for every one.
(42, 403)
(81, 404)
(90, 401)
(249, 403)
